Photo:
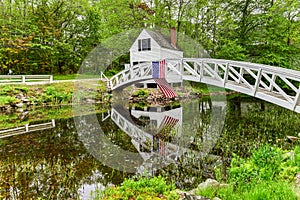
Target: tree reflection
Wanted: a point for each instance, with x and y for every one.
(49, 164)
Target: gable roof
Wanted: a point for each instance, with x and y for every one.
(162, 40)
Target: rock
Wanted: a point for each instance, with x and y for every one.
(25, 100)
(19, 105)
(297, 180)
(19, 110)
(292, 138)
(297, 185)
(211, 183)
(20, 96)
(290, 155)
(90, 101)
(24, 115)
(216, 198)
(183, 195)
(208, 183)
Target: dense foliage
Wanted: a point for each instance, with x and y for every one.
(268, 174)
(55, 36)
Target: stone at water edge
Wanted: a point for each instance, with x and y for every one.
(211, 183)
(19, 105)
(292, 138)
(184, 195)
(297, 180)
(23, 115)
(208, 183)
(297, 185)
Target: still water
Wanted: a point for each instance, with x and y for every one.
(183, 142)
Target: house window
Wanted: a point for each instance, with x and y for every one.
(144, 44)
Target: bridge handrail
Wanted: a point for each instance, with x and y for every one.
(114, 80)
(277, 85)
(131, 68)
(267, 68)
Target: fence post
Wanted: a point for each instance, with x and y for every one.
(26, 127)
(23, 79)
(53, 122)
(51, 79)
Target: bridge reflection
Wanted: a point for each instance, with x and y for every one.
(162, 134)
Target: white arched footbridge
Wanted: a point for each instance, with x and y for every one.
(279, 86)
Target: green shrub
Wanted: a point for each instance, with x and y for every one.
(50, 90)
(8, 100)
(268, 174)
(111, 72)
(141, 93)
(266, 163)
(22, 89)
(6, 90)
(267, 160)
(270, 190)
(264, 190)
(144, 188)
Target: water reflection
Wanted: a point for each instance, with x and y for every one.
(26, 129)
(50, 164)
(161, 135)
(184, 143)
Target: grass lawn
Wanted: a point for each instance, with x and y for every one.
(75, 76)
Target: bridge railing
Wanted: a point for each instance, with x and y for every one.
(137, 72)
(273, 84)
(144, 138)
(276, 85)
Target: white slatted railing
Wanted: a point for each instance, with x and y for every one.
(26, 129)
(273, 84)
(25, 78)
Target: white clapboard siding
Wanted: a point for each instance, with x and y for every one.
(156, 53)
(169, 53)
(141, 56)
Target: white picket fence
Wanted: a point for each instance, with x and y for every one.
(25, 78)
(26, 129)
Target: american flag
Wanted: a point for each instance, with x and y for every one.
(165, 88)
(162, 149)
(159, 74)
(159, 69)
(167, 124)
(165, 128)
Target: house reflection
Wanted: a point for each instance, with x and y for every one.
(157, 132)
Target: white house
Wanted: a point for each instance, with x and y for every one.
(154, 46)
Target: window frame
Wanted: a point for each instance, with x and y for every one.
(144, 44)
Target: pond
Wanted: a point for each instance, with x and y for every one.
(184, 142)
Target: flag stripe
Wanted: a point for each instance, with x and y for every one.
(159, 74)
(162, 149)
(168, 123)
(162, 71)
(165, 88)
(159, 69)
